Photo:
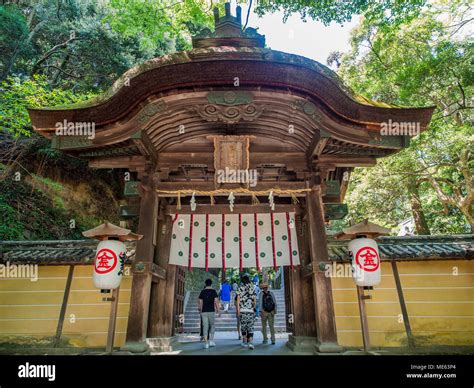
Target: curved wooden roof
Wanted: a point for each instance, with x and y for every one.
(218, 67)
(300, 114)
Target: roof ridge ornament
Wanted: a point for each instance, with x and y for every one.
(228, 32)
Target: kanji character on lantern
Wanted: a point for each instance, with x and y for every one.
(107, 272)
(365, 261)
(111, 254)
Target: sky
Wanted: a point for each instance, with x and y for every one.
(311, 39)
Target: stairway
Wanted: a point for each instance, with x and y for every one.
(228, 321)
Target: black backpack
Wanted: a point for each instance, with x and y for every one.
(268, 303)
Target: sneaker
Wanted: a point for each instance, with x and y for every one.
(251, 347)
(273, 342)
(265, 342)
(212, 344)
(206, 346)
(244, 344)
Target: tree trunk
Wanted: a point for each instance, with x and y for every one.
(421, 225)
(468, 213)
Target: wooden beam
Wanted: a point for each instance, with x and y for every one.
(346, 175)
(142, 280)
(138, 312)
(62, 313)
(346, 161)
(130, 162)
(317, 145)
(293, 160)
(112, 320)
(403, 306)
(161, 321)
(224, 209)
(67, 143)
(148, 213)
(144, 144)
(364, 323)
(322, 289)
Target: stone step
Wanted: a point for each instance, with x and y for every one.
(233, 324)
(194, 331)
(278, 318)
(195, 300)
(228, 321)
(229, 328)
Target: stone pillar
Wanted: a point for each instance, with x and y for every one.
(322, 290)
(141, 270)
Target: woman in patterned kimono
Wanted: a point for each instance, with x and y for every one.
(246, 303)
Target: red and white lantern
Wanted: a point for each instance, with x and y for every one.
(109, 264)
(365, 256)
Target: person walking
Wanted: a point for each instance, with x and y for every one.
(246, 303)
(257, 297)
(237, 316)
(225, 294)
(208, 306)
(268, 310)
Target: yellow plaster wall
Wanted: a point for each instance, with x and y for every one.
(29, 311)
(440, 305)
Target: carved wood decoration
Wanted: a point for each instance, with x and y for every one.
(231, 152)
(228, 114)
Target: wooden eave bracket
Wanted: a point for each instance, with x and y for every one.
(144, 144)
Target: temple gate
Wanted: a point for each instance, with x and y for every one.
(194, 129)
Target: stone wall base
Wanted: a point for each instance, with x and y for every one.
(301, 344)
(162, 344)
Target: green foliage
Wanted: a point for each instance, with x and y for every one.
(13, 29)
(166, 20)
(60, 52)
(327, 11)
(425, 62)
(17, 94)
(27, 213)
(73, 43)
(10, 228)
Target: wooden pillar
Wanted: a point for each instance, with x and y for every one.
(112, 320)
(142, 276)
(364, 323)
(162, 301)
(62, 313)
(303, 337)
(322, 290)
(403, 306)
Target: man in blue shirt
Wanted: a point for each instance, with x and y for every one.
(226, 290)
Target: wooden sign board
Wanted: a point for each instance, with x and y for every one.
(231, 152)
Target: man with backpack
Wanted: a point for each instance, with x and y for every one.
(268, 310)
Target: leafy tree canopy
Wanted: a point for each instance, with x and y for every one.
(424, 62)
(327, 11)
